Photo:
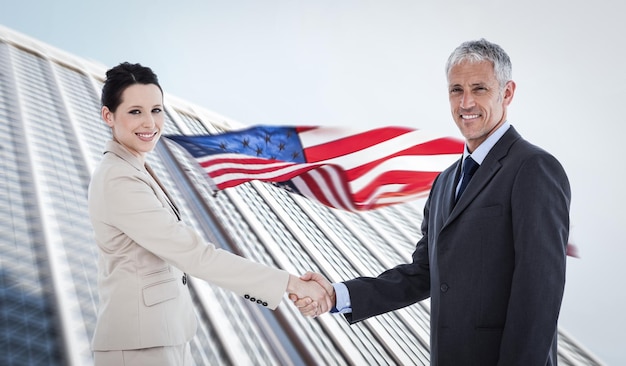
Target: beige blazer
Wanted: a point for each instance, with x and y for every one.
(144, 252)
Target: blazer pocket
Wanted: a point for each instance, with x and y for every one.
(155, 272)
(161, 291)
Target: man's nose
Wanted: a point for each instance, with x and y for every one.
(467, 100)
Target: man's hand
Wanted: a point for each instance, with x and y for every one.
(312, 293)
(308, 306)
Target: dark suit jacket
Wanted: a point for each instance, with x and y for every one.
(493, 264)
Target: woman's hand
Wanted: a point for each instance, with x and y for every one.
(320, 302)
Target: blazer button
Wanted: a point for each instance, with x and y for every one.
(444, 287)
(184, 279)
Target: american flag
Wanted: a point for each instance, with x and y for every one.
(343, 168)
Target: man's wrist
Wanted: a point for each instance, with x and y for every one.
(342, 298)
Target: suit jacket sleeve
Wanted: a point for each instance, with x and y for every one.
(399, 287)
(137, 212)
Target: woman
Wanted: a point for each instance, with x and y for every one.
(145, 314)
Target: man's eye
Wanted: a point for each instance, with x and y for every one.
(455, 91)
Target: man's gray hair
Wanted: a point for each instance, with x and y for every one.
(483, 50)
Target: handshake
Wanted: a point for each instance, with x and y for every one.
(312, 293)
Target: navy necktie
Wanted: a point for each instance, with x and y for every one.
(469, 167)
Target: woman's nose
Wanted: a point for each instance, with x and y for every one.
(148, 121)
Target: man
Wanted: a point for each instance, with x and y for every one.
(492, 255)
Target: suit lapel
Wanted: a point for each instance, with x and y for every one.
(117, 149)
(452, 182)
(490, 166)
(168, 198)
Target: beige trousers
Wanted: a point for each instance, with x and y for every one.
(156, 356)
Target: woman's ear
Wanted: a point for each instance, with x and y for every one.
(107, 116)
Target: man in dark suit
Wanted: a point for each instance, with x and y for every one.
(492, 255)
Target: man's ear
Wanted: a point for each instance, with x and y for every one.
(107, 116)
(509, 92)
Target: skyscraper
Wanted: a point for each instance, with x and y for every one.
(52, 138)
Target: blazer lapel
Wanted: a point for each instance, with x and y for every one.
(117, 149)
(484, 174)
(168, 198)
(452, 182)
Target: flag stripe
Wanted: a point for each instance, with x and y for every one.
(316, 149)
(362, 176)
(324, 189)
(380, 150)
(408, 180)
(273, 175)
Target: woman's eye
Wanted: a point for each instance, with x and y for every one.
(157, 110)
(134, 111)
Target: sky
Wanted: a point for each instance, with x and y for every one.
(378, 63)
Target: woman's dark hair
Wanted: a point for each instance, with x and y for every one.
(121, 77)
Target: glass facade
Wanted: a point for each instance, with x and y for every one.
(52, 137)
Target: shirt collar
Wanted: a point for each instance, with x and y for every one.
(483, 149)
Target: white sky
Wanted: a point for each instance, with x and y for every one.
(376, 63)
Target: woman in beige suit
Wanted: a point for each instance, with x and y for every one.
(145, 314)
